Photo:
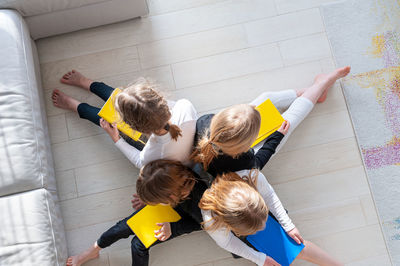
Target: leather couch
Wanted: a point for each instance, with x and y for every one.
(31, 227)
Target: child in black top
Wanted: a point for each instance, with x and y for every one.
(224, 163)
(160, 182)
(223, 140)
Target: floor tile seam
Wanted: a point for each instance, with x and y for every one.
(316, 174)
(252, 73)
(182, 35)
(318, 144)
(82, 197)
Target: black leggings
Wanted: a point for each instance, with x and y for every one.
(140, 254)
(89, 112)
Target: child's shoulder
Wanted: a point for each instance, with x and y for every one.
(183, 111)
(184, 104)
(261, 179)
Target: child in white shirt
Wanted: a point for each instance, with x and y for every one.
(170, 125)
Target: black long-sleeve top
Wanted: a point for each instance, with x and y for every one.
(189, 210)
(224, 163)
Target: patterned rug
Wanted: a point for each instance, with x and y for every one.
(365, 34)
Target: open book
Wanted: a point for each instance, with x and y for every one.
(109, 114)
(144, 222)
(271, 120)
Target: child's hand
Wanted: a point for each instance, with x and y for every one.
(164, 232)
(137, 203)
(270, 262)
(284, 127)
(110, 129)
(295, 234)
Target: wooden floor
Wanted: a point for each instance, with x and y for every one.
(214, 53)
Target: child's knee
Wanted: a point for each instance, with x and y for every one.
(138, 247)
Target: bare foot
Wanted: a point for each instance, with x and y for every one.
(89, 254)
(330, 79)
(61, 100)
(75, 78)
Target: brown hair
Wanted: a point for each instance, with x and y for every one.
(235, 204)
(161, 179)
(144, 109)
(232, 131)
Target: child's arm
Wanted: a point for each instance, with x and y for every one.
(271, 143)
(273, 202)
(129, 151)
(276, 207)
(228, 241)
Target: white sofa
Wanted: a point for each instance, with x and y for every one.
(31, 227)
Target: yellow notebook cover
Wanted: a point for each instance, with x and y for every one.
(271, 120)
(144, 222)
(109, 114)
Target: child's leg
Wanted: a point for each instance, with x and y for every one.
(75, 78)
(84, 110)
(140, 254)
(295, 114)
(322, 83)
(118, 231)
(281, 99)
(316, 255)
(89, 112)
(102, 90)
(303, 105)
(89, 254)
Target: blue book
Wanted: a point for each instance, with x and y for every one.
(276, 243)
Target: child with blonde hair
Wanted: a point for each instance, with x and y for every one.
(169, 125)
(237, 204)
(223, 141)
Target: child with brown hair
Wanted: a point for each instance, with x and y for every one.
(159, 182)
(169, 125)
(237, 204)
(223, 140)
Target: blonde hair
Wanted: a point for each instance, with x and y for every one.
(232, 131)
(161, 179)
(144, 109)
(235, 204)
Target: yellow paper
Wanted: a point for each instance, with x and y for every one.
(271, 120)
(144, 223)
(109, 114)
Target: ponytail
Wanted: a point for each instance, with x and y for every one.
(173, 130)
(205, 152)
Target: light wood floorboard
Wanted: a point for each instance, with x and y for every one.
(215, 53)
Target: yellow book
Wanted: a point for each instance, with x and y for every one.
(109, 114)
(144, 222)
(271, 120)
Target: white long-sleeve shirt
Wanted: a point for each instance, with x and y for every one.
(184, 115)
(227, 240)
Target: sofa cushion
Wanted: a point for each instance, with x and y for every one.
(38, 7)
(31, 231)
(26, 161)
(51, 17)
